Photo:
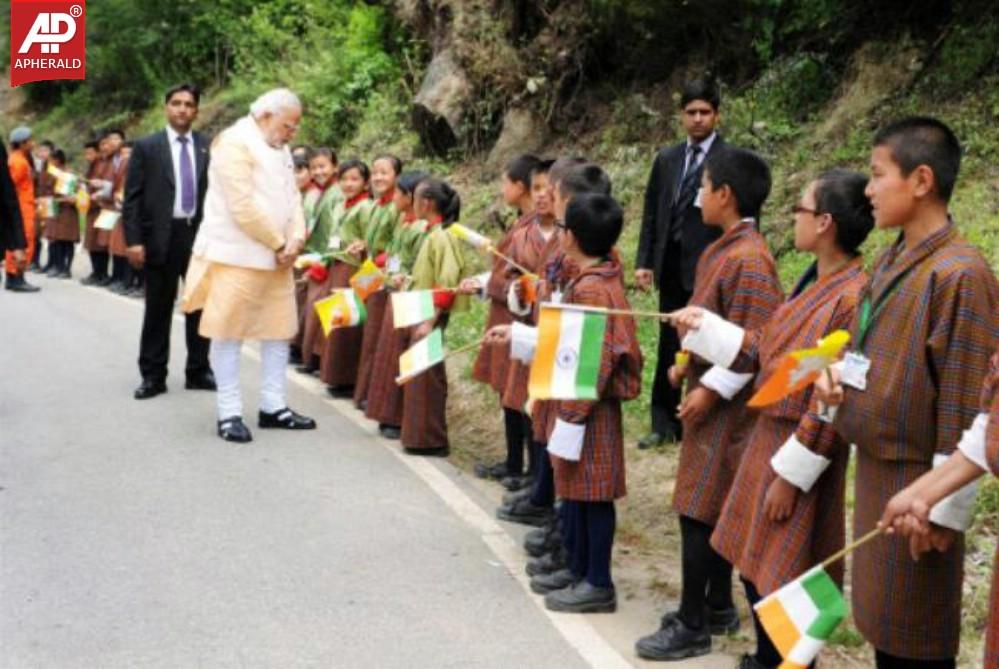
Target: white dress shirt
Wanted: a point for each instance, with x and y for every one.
(172, 137)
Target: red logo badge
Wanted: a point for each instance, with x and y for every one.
(48, 40)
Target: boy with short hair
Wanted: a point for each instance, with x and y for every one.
(928, 321)
(737, 278)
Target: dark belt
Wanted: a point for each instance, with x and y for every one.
(183, 221)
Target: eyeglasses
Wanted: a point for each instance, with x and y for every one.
(801, 209)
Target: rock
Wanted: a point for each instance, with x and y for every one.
(523, 132)
(440, 104)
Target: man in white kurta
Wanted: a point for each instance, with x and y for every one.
(241, 265)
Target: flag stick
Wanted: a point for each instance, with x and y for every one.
(852, 547)
(613, 312)
(400, 381)
(492, 249)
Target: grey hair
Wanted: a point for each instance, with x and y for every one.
(274, 101)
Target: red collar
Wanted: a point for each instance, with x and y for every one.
(409, 218)
(434, 222)
(386, 197)
(360, 197)
(323, 189)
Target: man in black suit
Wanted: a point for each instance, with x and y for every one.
(673, 237)
(164, 197)
(11, 225)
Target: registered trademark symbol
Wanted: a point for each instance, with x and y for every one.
(76, 11)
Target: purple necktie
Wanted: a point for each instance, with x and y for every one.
(186, 178)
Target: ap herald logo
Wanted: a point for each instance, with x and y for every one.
(48, 40)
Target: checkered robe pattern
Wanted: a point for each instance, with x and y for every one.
(491, 362)
(529, 248)
(599, 475)
(340, 352)
(384, 395)
(374, 306)
(990, 400)
(737, 279)
(116, 243)
(928, 349)
(771, 554)
(95, 239)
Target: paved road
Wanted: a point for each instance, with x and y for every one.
(133, 537)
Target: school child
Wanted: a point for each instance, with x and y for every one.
(98, 260)
(491, 362)
(908, 512)
(736, 278)
(384, 222)
(785, 511)
(440, 263)
(384, 395)
(321, 198)
(63, 230)
(585, 437)
(928, 320)
(339, 220)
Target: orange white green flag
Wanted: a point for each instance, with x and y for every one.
(421, 356)
(367, 280)
(342, 309)
(798, 369)
(566, 362)
(801, 616)
(412, 307)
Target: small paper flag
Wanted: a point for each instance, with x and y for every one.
(420, 357)
(412, 307)
(367, 280)
(469, 236)
(342, 309)
(799, 369)
(567, 360)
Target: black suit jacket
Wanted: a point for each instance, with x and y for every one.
(150, 189)
(654, 240)
(11, 223)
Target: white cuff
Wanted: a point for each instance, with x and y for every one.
(513, 302)
(797, 465)
(717, 340)
(954, 511)
(972, 442)
(523, 341)
(725, 382)
(483, 280)
(567, 440)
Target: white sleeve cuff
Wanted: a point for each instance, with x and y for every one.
(483, 280)
(972, 442)
(954, 511)
(717, 340)
(797, 465)
(566, 440)
(523, 341)
(725, 382)
(513, 302)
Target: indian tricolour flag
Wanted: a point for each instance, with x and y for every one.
(421, 356)
(412, 307)
(342, 309)
(567, 358)
(801, 616)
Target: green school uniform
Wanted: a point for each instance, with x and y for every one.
(348, 221)
(318, 218)
(441, 263)
(382, 225)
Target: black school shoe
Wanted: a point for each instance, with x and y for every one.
(542, 584)
(340, 392)
(525, 513)
(511, 498)
(234, 430)
(674, 641)
(285, 419)
(440, 452)
(721, 622)
(390, 431)
(750, 662)
(495, 471)
(582, 598)
(543, 540)
(516, 483)
(547, 563)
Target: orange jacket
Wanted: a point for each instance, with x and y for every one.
(24, 184)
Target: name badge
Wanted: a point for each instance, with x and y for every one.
(855, 368)
(335, 243)
(394, 264)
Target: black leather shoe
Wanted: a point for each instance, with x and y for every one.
(235, 430)
(21, 286)
(51, 271)
(64, 274)
(91, 280)
(307, 369)
(202, 381)
(441, 452)
(750, 662)
(511, 498)
(674, 641)
(651, 440)
(525, 513)
(542, 584)
(495, 471)
(515, 483)
(723, 621)
(390, 431)
(285, 419)
(148, 389)
(582, 598)
(294, 356)
(547, 563)
(340, 392)
(543, 542)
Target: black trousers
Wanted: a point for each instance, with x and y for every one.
(543, 493)
(517, 427)
(588, 533)
(707, 577)
(665, 398)
(161, 294)
(766, 653)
